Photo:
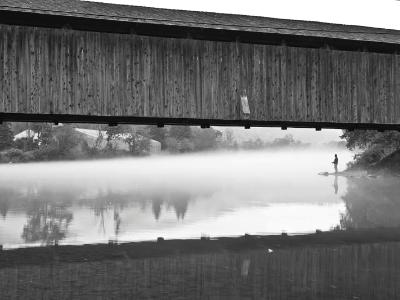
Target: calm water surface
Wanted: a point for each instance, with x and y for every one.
(220, 194)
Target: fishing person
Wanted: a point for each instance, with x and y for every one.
(335, 163)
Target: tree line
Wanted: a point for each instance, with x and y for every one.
(46, 142)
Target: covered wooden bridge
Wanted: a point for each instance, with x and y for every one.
(77, 61)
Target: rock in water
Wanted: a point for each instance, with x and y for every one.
(324, 173)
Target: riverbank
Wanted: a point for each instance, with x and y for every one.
(162, 248)
(329, 265)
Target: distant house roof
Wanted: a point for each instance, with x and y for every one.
(92, 132)
(95, 134)
(92, 135)
(201, 20)
(25, 134)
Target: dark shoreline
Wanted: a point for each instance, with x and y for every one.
(140, 250)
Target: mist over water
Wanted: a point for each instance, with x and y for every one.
(182, 196)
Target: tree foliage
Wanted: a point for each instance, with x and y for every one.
(138, 143)
(113, 133)
(26, 144)
(44, 132)
(157, 134)
(365, 139)
(204, 139)
(180, 132)
(373, 146)
(6, 137)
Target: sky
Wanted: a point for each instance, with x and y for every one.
(374, 13)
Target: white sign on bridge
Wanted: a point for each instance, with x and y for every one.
(245, 105)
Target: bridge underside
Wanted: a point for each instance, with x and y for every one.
(65, 75)
(204, 123)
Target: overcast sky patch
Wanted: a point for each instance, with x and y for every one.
(374, 13)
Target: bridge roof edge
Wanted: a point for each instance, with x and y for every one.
(97, 11)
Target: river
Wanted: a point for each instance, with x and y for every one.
(185, 196)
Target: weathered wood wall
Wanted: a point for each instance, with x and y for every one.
(62, 71)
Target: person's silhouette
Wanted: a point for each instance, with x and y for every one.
(335, 163)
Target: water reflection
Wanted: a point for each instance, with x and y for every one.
(156, 203)
(6, 196)
(47, 222)
(372, 202)
(4, 206)
(173, 197)
(48, 210)
(336, 184)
